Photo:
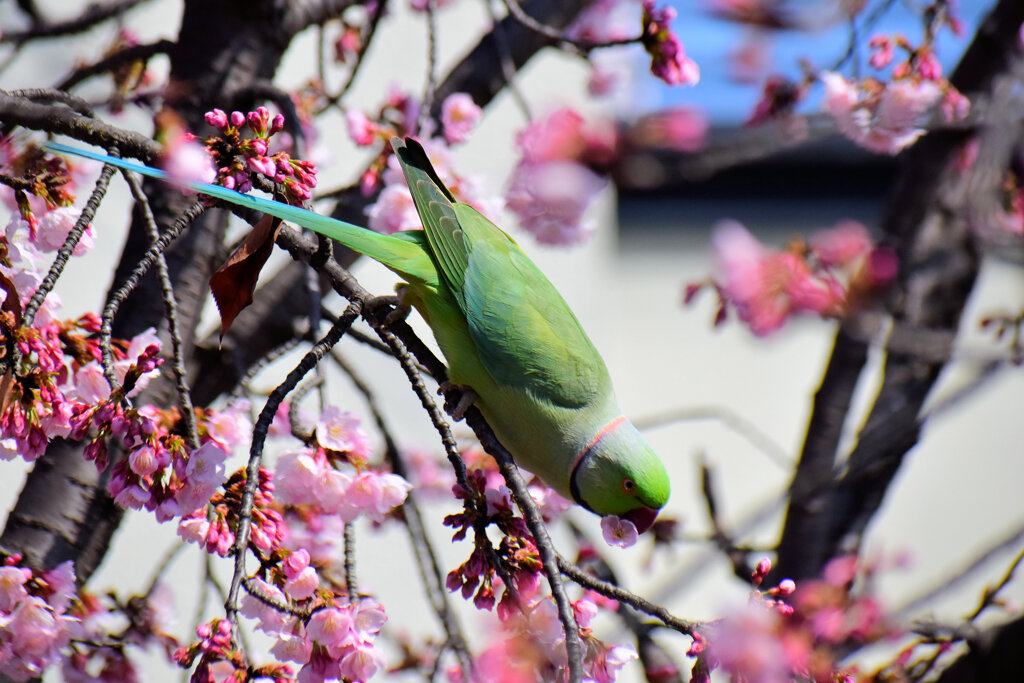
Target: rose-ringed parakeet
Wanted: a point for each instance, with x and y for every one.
(506, 333)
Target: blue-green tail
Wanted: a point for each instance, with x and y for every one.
(405, 252)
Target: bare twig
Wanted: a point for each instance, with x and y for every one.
(957, 578)
(731, 420)
(92, 15)
(431, 85)
(188, 414)
(559, 35)
(451, 448)
(351, 585)
(426, 557)
(614, 592)
(117, 297)
(535, 523)
(64, 253)
(259, 436)
(737, 556)
(126, 55)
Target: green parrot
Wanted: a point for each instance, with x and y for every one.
(507, 334)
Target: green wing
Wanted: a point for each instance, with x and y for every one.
(525, 334)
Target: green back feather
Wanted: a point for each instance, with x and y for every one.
(525, 334)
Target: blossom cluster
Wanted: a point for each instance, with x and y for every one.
(336, 642)
(553, 184)
(400, 116)
(532, 648)
(884, 117)
(235, 156)
(516, 559)
(506, 579)
(45, 619)
(668, 59)
(34, 621)
(218, 659)
(332, 477)
(832, 276)
(784, 633)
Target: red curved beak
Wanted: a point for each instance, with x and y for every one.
(642, 518)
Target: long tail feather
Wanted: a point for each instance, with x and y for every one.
(403, 253)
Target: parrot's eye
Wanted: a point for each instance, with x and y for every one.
(628, 485)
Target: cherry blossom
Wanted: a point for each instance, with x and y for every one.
(458, 116)
(340, 431)
(362, 131)
(668, 59)
(618, 532)
(54, 227)
(393, 211)
(188, 161)
(837, 274)
(551, 198)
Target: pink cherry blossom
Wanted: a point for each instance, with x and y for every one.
(610, 662)
(194, 528)
(143, 461)
(458, 116)
(60, 582)
(885, 122)
(393, 211)
(321, 535)
(668, 58)
(681, 128)
(348, 44)
(361, 662)
(374, 495)
(746, 645)
(298, 475)
(301, 579)
(54, 227)
(188, 161)
(290, 647)
(230, 427)
(362, 131)
(332, 489)
(755, 279)
(268, 619)
(204, 472)
(618, 532)
(604, 21)
(557, 137)
(550, 199)
(585, 611)
(341, 431)
(332, 629)
(432, 475)
(368, 617)
(846, 242)
(12, 586)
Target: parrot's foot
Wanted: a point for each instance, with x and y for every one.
(466, 400)
(399, 312)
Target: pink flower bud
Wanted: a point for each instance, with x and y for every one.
(217, 118)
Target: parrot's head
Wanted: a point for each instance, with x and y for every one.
(618, 473)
